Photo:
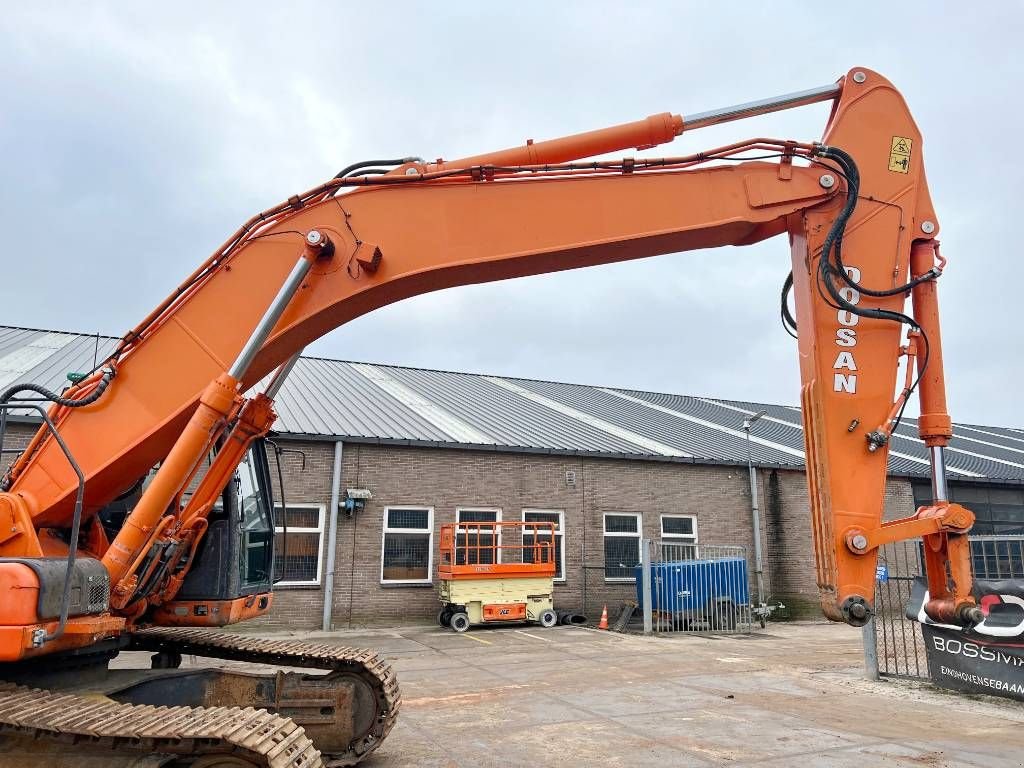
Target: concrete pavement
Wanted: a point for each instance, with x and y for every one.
(794, 694)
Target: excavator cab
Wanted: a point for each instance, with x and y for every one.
(233, 569)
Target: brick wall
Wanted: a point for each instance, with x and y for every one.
(445, 479)
(16, 438)
(789, 555)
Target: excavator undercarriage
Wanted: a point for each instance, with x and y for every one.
(81, 713)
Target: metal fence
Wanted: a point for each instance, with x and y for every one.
(689, 587)
(900, 644)
(898, 641)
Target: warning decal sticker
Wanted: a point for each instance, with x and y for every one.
(899, 154)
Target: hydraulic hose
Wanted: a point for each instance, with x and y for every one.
(832, 249)
(831, 263)
(788, 321)
(369, 163)
(89, 399)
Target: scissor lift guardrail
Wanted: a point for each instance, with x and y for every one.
(492, 572)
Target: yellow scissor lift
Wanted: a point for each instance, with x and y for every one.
(494, 572)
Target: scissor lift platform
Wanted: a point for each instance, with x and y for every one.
(496, 572)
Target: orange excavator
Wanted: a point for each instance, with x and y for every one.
(124, 524)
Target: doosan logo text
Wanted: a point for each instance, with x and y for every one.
(845, 366)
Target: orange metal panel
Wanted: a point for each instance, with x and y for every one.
(19, 594)
(505, 612)
(80, 632)
(212, 613)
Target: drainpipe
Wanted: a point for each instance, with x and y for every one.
(332, 536)
(755, 512)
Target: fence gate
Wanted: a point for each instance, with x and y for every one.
(898, 640)
(695, 588)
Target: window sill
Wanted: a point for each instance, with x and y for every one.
(399, 584)
(281, 585)
(619, 581)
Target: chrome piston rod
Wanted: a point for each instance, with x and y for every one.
(278, 379)
(266, 324)
(940, 491)
(762, 106)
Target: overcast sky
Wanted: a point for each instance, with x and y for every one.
(136, 137)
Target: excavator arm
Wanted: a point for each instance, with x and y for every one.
(855, 207)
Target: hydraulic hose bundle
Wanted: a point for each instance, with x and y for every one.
(831, 269)
(68, 402)
(53, 397)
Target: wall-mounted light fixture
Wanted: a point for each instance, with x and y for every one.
(355, 500)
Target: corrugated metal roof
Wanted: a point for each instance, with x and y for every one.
(47, 357)
(382, 403)
(511, 420)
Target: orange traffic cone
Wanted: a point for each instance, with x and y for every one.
(603, 624)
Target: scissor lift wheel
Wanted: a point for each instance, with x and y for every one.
(547, 618)
(459, 621)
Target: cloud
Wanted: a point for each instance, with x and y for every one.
(137, 138)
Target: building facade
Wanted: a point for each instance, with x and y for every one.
(386, 563)
(607, 467)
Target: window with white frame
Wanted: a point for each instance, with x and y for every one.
(555, 516)
(474, 544)
(407, 545)
(298, 557)
(621, 546)
(679, 529)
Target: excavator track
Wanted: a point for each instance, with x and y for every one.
(360, 663)
(90, 726)
(205, 736)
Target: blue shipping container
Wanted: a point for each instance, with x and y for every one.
(695, 586)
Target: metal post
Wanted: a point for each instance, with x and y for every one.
(755, 512)
(645, 588)
(332, 536)
(870, 650)
(755, 515)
